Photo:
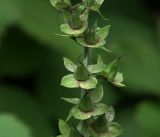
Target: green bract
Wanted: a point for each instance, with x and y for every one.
(67, 130)
(99, 109)
(111, 73)
(60, 4)
(93, 4)
(98, 38)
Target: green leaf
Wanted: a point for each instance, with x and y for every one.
(110, 114)
(60, 4)
(148, 116)
(103, 32)
(114, 129)
(97, 94)
(72, 100)
(64, 127)
(105, 49)
(69, 65)
(89, 84)
(53, 2)
(112, 69)
(11, 125)
(100, 109)
(78, 114)
(97, 68)
(118, 80)
(100, 61)
(96, 5)
(69, 81)
(68, 30)
(20, 110)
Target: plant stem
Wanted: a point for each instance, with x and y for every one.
(86, 54)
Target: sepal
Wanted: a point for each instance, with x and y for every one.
(60, 4)
(69, 65)
(72, 100)
(99, 109)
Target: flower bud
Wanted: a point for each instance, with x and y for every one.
(81, 73)
(100, 125)
(75, 21)
(91, 36)
(86, 104)
(74, 132)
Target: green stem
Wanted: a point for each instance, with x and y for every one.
(86, 54)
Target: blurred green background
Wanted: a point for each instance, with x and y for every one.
(31, 67)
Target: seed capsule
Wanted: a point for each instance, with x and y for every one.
(100, 125)
(112, 69)
(86, 103)
(75, 21)
(81, 73)
(91, 36)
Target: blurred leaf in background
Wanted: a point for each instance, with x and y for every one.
(31, 66)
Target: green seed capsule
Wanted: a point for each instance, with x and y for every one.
(81, 73)
(100, 125)
(91, 36)
(112, 69)
(74, 132)
(86, 104)
(75, 21)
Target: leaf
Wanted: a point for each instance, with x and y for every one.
(72, 100)
(119, 77)
(89, 84)
(97, 4)
(148, 116)
(100, 109)
(100, 61)
(103, 32)
(11, 125)
(114, 129)
(69, 65)
(118, 80)
(53, 2)
(10, 16)
(68, 30)
(97, 94)
(64, 127)
(97, 68)
(58, 5)
(78, 114)
(14, 103)
(69, 81)
(110, 114)
(105, 49)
